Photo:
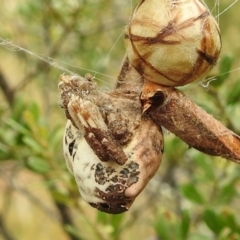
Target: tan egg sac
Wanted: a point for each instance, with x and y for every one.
(172, 42)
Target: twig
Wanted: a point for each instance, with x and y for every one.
(6, 89)
(63, 211)
(5, 233)
(173, 110)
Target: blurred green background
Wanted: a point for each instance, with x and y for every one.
(193, 196)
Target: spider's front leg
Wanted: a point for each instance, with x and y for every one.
(85, 114)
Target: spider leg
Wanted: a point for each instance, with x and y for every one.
(85, 114)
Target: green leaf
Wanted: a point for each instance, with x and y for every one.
(117, 220)
(226, 194)
(55, 136)
(102, 217)
(206, 167)
(192, 194)
(224, 70)
(213, 221)
(30, 120)
(74, 231)
(3, 149)
(234, 94)
(60, 197)
(38, 165)
(230, 221)
(111, 220)
(18, 127)
(165, 228)
(19, 107)
(185, 224)
(34, 109)
(31, 143)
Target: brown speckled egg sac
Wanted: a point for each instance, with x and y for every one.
(172, 43)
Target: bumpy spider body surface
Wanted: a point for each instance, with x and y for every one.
(110, 149)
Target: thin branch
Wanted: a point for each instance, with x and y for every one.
(8, 92)
(63, 211)
(177, 113)
(173, 110)
(52, 52)
(13, 185)
(3, 229)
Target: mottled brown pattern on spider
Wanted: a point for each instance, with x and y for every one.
(118, 202)
(68, 88)
(110, 148)
(114, 192)
(104, 145)
(127, 176)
